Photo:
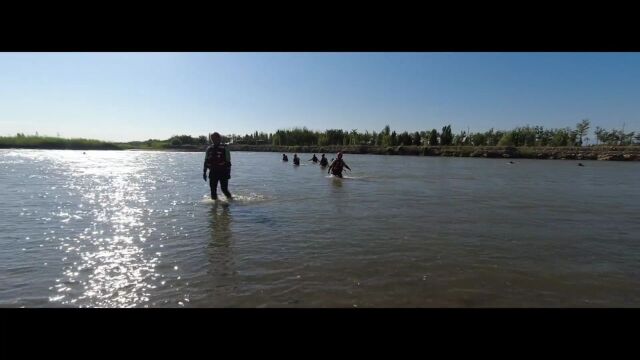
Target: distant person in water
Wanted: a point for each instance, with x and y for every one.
(580, 164)
(314, 158)
(284, 157)
(218, 161)
(324, 161)
(337, 166)
(296, 159)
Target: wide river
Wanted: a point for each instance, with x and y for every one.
(137, 229)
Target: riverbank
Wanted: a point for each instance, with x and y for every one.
(603, 152)
(54, 143)
(617, 153)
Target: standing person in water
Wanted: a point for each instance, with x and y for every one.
(296, 159)
(324, 161)
(314, 159)
(218, 161)
(284, 157)
(337, 166)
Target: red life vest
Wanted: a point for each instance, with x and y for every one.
(216, 156)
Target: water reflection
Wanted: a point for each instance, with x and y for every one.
(105, 263)
(221, 273)
(220, 247)
(220, 224)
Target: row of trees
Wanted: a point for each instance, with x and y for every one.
(520, 136)
(386, 137)
(616, 136)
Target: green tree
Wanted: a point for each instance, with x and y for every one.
(493, 137)
(354, 137)
(561, 137)
(573, 137)
(417, 139)
(507, 139)
(446, 137)
(627, 138)
(433, 137)
(600, 135)
(581, 129)
(478, 139)
(366, 138)
(405, 139)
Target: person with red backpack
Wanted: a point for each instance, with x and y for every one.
(337, 166)
(218, 161)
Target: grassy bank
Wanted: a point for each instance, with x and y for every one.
(53, 143)
(57, 143)
(46, 142)
(603, 152)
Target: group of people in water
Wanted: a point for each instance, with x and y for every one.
(218, 161)
(336, 168)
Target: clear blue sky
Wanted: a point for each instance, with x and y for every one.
(136, 96)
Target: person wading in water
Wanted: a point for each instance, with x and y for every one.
(337, 166)
(218, 161)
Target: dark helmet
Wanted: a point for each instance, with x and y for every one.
(339, 154)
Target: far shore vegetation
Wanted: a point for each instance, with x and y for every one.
(50, 142)
(524, 136)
